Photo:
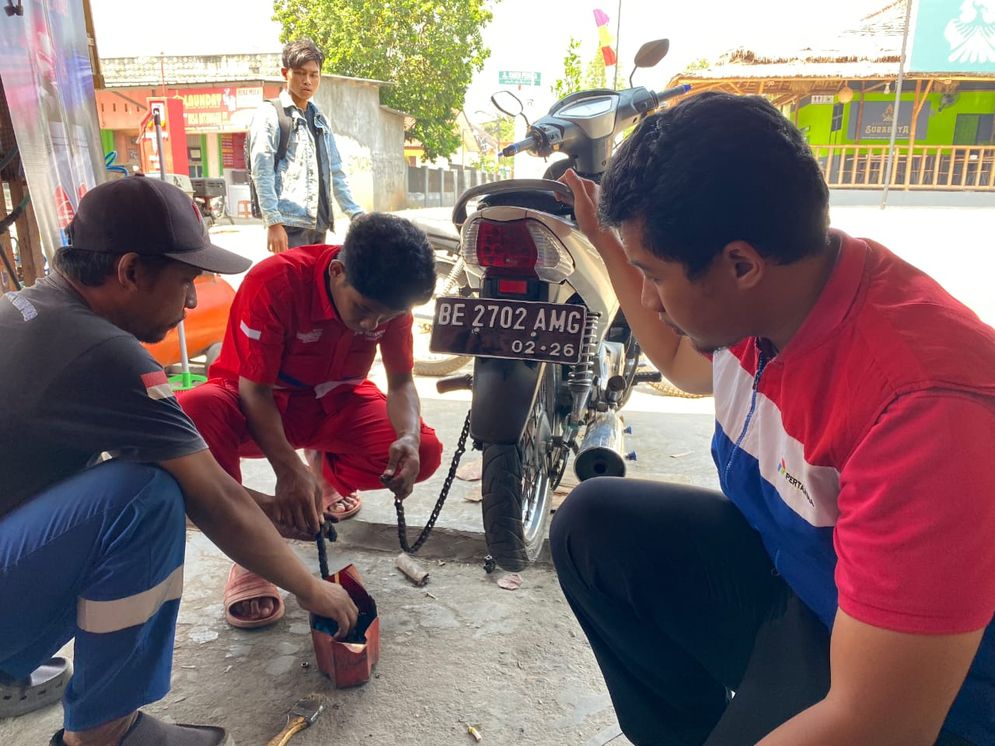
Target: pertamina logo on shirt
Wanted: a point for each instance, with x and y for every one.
(782, 469)
(157, 385)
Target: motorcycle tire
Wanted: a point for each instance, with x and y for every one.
(502, 509)
(503, 489)
(430, 364)
(665, 388)
(441, 366)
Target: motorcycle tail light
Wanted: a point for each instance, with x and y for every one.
(513, 287)
(505, 247)
(516, 247)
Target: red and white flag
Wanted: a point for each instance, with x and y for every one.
(157, 385)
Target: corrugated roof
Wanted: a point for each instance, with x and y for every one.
(872, 49)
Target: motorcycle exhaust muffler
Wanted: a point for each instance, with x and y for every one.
(600, 453)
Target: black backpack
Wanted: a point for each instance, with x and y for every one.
(281, 152)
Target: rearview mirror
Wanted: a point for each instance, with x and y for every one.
(508, 103)
(652, 52)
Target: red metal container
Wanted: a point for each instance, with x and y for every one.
(348, 663)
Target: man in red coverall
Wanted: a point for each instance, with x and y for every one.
(302, 335)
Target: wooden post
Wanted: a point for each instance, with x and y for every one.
(28, 236)
(7, 283)
(91, 42)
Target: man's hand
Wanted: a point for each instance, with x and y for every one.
(586, 194)
(331, 600)
(403, 464)
(297, 503)
(276, 238)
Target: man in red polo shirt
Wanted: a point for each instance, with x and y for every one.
(302, 335)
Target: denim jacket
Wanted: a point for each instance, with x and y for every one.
(289, 194)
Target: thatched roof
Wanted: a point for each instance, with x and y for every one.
(870, 50)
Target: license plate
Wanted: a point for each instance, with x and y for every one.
(521, 330)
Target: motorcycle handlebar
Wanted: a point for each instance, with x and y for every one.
(519, 147)
(677, 90)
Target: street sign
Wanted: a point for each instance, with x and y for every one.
(518, 77)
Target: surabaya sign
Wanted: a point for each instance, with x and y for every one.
(875, 121)
(952, 36)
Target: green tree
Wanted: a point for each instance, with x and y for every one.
(503, 132)
(595, 76)
(572, 68)
(428, 50)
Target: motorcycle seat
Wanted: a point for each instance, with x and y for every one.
(529, 199)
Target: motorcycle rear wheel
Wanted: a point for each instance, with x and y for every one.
(426, 362)
(517, 487)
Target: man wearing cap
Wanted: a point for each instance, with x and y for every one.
(94, 551)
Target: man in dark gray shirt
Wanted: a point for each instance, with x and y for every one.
(95, 551)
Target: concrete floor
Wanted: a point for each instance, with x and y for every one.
(459, 651)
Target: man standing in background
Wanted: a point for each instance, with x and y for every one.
(294, 162)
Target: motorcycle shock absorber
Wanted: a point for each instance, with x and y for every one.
(452, 279)
(581, 378)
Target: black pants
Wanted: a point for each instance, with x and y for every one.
(682, 606)
(304, 237)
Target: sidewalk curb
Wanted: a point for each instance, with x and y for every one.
(444, 543)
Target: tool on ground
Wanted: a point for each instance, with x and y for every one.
(414, 572)
(402, 527)
(302, 715)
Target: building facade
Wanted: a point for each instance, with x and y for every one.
(219, 95)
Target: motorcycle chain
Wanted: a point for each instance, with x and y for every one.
(402, 527)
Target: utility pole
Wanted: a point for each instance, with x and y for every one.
(898, 103)
(618, 37)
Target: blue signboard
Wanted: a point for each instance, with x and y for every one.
(952, 36)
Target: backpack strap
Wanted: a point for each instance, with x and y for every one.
(284, 121)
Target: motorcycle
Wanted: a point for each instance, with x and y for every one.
(554, 360)
(210, 196)
(450, 278)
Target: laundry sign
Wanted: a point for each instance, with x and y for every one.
(951, 36)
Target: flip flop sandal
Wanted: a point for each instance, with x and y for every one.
(44, 686)
(243, 585)
(147, 731)
(348, 513)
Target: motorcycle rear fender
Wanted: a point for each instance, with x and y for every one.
(503, 393)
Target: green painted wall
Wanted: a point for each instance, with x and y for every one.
(204, 160)
(817, 118)
(107, 140)
(940, 131)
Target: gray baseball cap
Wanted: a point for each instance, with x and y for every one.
(151, 218)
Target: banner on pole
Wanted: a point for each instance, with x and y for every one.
(48, 82)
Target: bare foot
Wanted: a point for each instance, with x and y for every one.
(335, 504)
(338, 505)
(254, 608)
(250, 601)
